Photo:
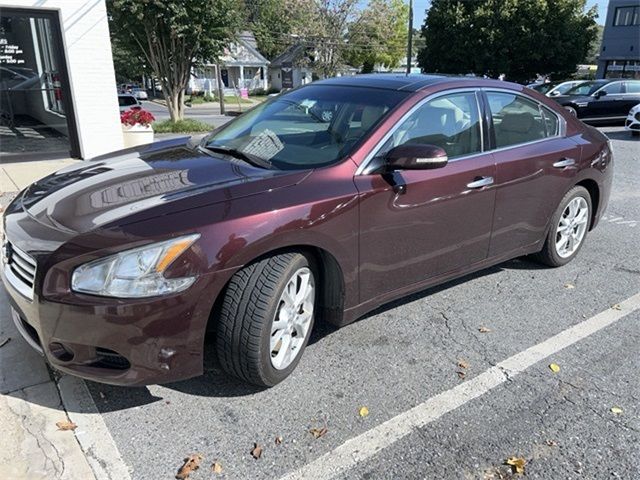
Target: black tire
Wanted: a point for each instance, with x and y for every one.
(635, 133)
(244, 325)
(549, 255)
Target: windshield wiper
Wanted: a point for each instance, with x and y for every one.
(234, 152)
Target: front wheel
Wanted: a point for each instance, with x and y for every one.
(572, 111)
(266, 318)
(569, 226)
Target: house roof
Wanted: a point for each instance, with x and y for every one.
(243, 52)
(292, 54)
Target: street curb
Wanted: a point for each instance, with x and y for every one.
(92, 433)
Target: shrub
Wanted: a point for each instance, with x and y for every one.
(187, 125)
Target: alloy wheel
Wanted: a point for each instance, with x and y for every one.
(292, 319)
(572, 227)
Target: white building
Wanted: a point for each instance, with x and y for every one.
(57, 82)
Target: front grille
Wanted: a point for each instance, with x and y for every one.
(20, 269)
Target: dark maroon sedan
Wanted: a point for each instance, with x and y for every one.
(319, 204)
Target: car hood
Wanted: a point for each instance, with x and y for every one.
(133, 185)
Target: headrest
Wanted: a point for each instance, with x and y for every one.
(370, 115)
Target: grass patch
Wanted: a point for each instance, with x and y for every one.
(187, 125)
(229, 100)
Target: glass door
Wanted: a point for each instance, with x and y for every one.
(35, 98)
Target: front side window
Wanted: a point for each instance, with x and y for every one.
(516, 119)
(309, 127)
(586, 88)
(451, 122)
(613, 88)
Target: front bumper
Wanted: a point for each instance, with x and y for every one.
(632, 122)
(120, 342)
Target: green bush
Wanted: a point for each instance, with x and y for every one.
(187, 125)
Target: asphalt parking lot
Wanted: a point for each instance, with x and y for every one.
(411, 353)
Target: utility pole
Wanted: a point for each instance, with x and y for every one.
(410, 38)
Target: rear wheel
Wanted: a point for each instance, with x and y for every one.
(266, 318)
(569, 226)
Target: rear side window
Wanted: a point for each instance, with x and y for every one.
(633, 87)
(517, 120)
(552, 125)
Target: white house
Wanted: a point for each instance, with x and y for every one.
(241, 66)
(57, 82)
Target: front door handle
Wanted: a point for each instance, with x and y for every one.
(564, 162)
(480, 182)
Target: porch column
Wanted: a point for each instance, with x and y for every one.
(265, 80)
(241, 76)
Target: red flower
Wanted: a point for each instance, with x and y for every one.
(136, 117)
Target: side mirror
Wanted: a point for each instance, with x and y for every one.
(413, 156)
(600, 93)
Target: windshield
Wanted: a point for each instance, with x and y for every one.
(310, 127)
(586, 88)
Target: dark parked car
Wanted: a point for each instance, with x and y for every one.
(602, 101)
(117, 267)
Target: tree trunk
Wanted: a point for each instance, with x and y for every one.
(175, 104)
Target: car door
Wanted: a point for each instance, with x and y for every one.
(535, 165)
(607, 103)
(419, 224)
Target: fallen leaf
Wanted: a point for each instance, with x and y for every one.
(517, 464)
(463, 363)
(191, 463)
(257, 451)
(5, 341)
(461, 375)
(318, 432)
(569, 286)
(363, 412)
(616, 306)
(279, 440)
(551, 443)
(484, 330)
(216, 468)
(66, 425)
(616, 410)
(555, 368)
(102, 395)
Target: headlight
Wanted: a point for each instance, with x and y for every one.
(134, 273)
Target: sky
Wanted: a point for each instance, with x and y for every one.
(420, 6)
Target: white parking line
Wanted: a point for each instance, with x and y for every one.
(364, 446)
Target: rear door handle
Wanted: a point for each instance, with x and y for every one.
(480, 182)
(564, 162)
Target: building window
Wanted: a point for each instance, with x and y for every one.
(626, 16)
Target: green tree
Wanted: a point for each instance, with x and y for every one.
(278, 24)
(519, 38)
(379, 35)
(173, 36)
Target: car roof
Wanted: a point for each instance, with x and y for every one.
(401, 82)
